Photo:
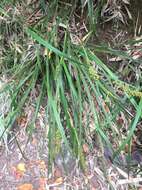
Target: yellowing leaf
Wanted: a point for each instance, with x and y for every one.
(59, 181)
(26, 186)
(21, 167)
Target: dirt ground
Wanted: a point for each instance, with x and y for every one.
(24, 165)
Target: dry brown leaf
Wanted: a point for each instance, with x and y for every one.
(85, 148)
(120, 121)
(106, 107)
(57, 172)
(26, 186)
(42, 182)
(34, 141)
(42, 165)
(59, 181)
(21, 121)
(94, 183)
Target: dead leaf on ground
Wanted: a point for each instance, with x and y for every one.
(94, 183)
(57, 172)
(85, 148)
(105, 106)
(18, 171)
(59, 181)
(34, 141)
(42, 182)
(42, 165)
(21, 121)
(21, 167)
(26, 186)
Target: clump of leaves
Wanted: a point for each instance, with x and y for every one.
(80, 90)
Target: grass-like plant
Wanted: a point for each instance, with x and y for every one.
(81, 91)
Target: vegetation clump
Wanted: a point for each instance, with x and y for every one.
(48, 46)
